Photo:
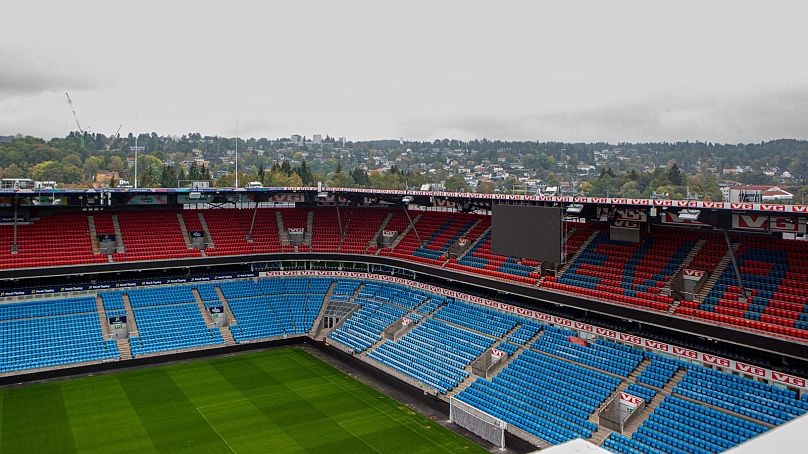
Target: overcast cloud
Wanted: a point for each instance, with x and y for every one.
(723, 71)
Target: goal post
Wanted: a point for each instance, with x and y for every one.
(480, 423)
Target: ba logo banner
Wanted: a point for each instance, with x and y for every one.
(197, 234)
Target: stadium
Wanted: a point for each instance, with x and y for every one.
(324, 319)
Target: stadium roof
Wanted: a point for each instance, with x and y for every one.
(398, 193)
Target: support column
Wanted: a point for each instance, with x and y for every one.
(252, 224)
(412, 225)
(744, 295)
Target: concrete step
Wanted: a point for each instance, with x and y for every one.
(208, 238)
(124, 349)
(202, 309)
(93, 235)
(130, 316)
(184, 229)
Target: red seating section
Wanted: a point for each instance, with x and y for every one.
(229, 227)
(361, 226)
(152, 235)
(103, 224)
(59, 239)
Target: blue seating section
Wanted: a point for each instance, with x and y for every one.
(346, 287)
(256, 319)
(526, 394)
(435, 301)
(239, 289)
(434, 353)
(171, 327)
(46, 308)
(508, 348)
(609, 356)
(207, 292)
(286, 306)
(51, 333)
(488, 321)
(525, 332)
(160, 295)
(641, 391)
(365, 326)
(681, 426)
(741, 395)
(395, 294)
(320, 285)
(113, 301)
(660, 371)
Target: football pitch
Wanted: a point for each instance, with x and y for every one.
(276, 401)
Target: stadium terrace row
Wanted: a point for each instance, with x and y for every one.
(551, 385)
(635, 274)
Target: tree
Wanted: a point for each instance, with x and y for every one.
(456, 183)
(261, 172)
(150, 178)
(116, 164)
(360, 177)
(48, 171)
(675, 175)
(485, 187)
(305, 173)
(91, 166)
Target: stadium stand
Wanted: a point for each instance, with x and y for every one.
(624, 273)
(168, 318)
(50, 333)
(551, 385)
(58, 239)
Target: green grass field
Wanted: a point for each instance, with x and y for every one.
(276, 401)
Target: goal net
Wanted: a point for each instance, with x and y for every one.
(478, 422)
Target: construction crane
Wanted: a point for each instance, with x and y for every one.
(114, 136)
(76, 117)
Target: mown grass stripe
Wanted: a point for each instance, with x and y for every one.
(108, 421)
(312, 429)
(172, 422)
(35, 420)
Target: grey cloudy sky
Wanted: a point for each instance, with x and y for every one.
(727, 71)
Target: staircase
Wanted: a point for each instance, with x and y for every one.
(717, 272)
(208, 237)
(93, 235)
(185, 235)
(405, 232)
(374, 242)
(632, 378)
(130, 316)
(282, 233)
(124, 349)
(578, 253)
(309, 229)
(231, 319)
(502, 364)
(666, 290)
(117, 226)
(102, 316)
(202, 309)
(652, 405)
(227, 335)
(315, 327)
